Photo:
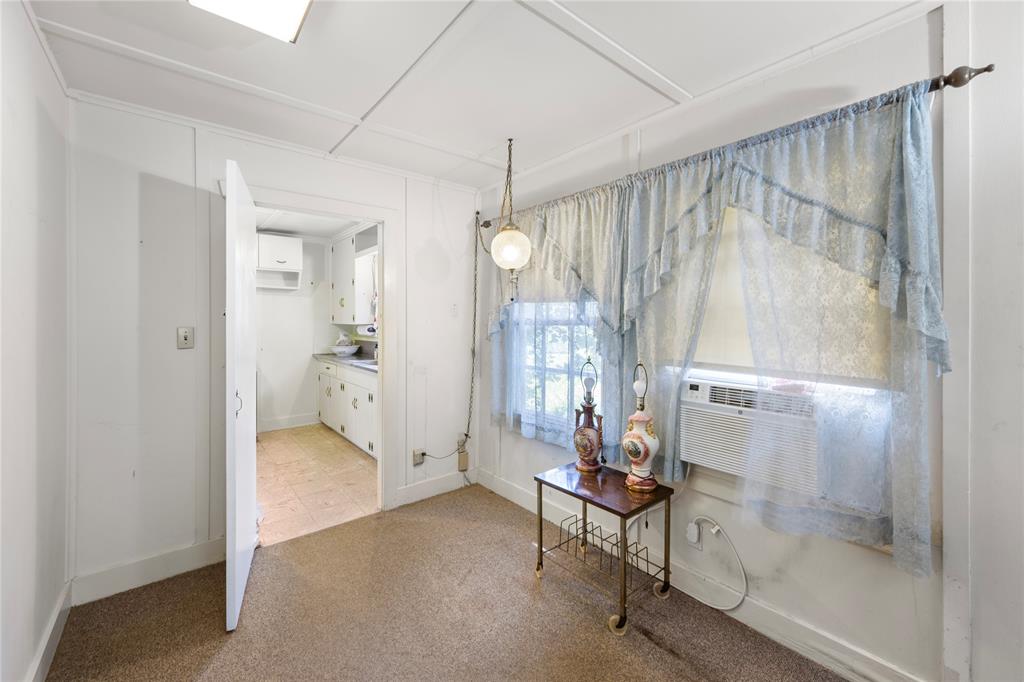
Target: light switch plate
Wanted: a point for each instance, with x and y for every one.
(186, 337)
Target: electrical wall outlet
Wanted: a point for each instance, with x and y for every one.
(417, 457)
(693, 535)
(463, 457)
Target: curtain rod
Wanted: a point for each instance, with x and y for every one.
(958, 77)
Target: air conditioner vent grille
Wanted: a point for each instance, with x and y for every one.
(767, 401)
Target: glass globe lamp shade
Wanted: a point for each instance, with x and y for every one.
(510, 248)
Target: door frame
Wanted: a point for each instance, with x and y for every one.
(391, 377)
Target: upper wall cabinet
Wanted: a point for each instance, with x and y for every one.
(278, 252)
(279, 262)
(343, 261)
(354, 271)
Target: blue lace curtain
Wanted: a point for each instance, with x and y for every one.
(840, 269)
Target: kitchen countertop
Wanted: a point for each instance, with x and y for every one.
(346, 360)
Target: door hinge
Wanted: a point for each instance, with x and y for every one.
(370, 397)
(371, 446)
(343, 428)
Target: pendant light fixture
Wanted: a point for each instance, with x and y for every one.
(510, 248)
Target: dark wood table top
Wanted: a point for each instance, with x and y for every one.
(605, 489)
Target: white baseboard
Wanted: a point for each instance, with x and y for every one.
(277, 423)
(834, 653)
(40, 665)
(421, 490)
(105, 583)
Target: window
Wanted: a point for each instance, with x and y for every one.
(553, 342)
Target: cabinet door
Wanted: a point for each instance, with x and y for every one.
(370, 422)
(337, 408)
(279, 253)
(323, 401)
(365, 293)
(343, 256)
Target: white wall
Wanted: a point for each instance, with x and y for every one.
(290, 327)
(33, 350)
(842, 604)
(150, 258)
(440, 263)
(995, 258)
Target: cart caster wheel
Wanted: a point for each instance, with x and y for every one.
(539, 572)
(613, 625)
(661, 590)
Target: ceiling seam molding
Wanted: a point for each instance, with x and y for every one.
(182, 68)
(565, 20)
(248, 136)
(45, 45)
(146, 57)
(404, 74)
(897, 17)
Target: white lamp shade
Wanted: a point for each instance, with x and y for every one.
(510, 248)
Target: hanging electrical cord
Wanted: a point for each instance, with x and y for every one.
(478, 241)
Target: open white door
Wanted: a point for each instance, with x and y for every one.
(240, 358)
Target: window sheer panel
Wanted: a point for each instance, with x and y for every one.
(838, 244)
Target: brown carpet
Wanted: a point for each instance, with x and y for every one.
(439, 590)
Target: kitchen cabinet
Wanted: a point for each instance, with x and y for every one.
(354, 277)
(277, 252)
(278, 261)
(363, 416)
(347, 403)
(343, 261)
(365, 288)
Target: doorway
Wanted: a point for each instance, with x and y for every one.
(302, 391)
(317, 328)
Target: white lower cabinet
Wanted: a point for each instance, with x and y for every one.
(348, 404)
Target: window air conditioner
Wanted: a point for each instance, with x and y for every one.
(717, 417)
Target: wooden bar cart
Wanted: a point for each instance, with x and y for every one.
(608, 554)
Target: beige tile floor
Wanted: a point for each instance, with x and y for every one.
(309, 478)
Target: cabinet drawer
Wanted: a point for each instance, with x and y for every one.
(328, 368)
(279, 253)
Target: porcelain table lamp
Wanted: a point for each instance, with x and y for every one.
(640, 442)
(588, 436)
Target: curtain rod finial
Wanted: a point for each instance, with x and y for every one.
(962, 75)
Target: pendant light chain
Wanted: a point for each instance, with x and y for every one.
(507, 198)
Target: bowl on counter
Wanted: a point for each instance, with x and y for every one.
(343, 351)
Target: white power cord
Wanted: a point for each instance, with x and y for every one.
(717, 529)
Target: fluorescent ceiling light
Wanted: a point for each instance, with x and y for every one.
(281, 19)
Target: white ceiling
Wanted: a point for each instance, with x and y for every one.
(435, 87)
(290, 222)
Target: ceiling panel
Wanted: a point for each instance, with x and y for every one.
(501, 71)
(702, 45)
(367, 145)
(103, 73)
(347, 55)
(289, 222)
